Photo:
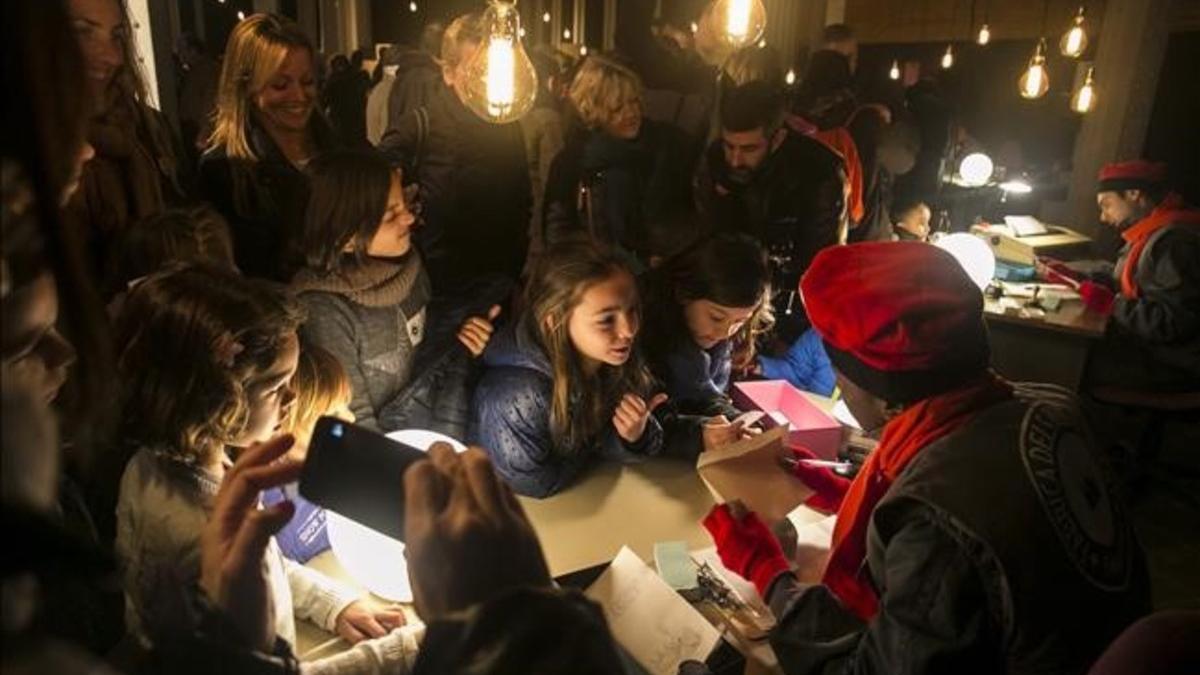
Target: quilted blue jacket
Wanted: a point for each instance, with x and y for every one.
(510, 419)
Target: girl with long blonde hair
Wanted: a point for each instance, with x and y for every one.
(564, 385)
(266, 129)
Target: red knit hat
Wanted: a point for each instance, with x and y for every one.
(1136, 174)
(900, 319)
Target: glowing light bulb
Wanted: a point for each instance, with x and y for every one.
(566, 33)
(790, 78)
(948, 57)
(1016, 187)
(583, 50)
(412, 7)
(976, 169)
(1035, 82)
(521, 33)
(1074, 41)
(985, 35)
(500, 83)
(894, 73)
(546, 17)
(1085, 98)
(742, 22)
(695, 27)
(973, 254)
(241, 15)
(762, 44)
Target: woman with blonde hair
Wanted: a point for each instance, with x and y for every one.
(266, 129)
(136, 170)
(619, 171)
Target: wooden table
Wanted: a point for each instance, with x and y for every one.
(1043, 346)
(614, 505)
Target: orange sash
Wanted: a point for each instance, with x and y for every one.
(904, 437)
(1169, 212)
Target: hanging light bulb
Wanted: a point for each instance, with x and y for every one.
(583, 50)
(241, 15)
(1035, 82)
(546, 17)
(566, 33)
(412, 7)
(762, 44)
(790, 78)
(894, 73)
(1085, 98)
(1074, 41)
(741, 22)
(500, 83)
(948, 57)
(985, 35)
(695, 27)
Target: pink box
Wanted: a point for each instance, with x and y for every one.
(809, 426)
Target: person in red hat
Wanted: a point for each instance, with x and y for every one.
(1155, 341)
(983, 533)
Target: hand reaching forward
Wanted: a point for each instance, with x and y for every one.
(468, 537)
(632, 413)
(232, 546)
(477, 330)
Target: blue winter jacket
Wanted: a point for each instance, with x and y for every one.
(510, 419)
(805, 365)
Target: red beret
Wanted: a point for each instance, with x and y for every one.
(896, 308)
(1131, 175)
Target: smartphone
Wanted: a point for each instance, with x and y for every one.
(359, 473)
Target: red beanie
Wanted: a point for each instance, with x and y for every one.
(1136, 174)
(900, 319)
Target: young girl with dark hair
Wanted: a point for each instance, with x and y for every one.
(705, 306)
(206, 362)
(365, 286)
(564, 385)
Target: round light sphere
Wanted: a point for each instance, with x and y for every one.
(973, 253)
(976, 169)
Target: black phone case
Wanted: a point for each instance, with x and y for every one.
(359, 474)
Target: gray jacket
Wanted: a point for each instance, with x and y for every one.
(1166, 316)
(1002, 548)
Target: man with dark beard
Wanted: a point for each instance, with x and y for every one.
(788, 190)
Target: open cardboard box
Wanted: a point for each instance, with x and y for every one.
(808, 426)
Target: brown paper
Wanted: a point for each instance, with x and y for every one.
(750, 471)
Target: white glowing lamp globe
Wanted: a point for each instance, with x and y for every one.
(976, 169)
(973, 253)
(374, 560)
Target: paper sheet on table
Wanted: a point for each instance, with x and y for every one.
(653, 623)
(750, 471)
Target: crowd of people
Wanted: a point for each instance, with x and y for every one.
(579, 286)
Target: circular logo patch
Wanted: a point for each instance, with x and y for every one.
(1076, 496)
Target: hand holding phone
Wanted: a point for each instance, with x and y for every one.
(358, 473)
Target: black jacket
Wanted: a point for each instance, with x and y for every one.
(795, 204)
(612, 189)
(264, 201)
(475, 192)
(1002, 548)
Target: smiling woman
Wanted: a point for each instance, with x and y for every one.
(135, 172)
(266, 131)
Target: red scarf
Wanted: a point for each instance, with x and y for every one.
(904, 437)
(1169, 212)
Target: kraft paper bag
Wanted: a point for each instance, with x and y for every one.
(750, 471)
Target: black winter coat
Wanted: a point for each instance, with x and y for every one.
(795, 204)
(264, 201)
(613, 189)
(475, 194)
